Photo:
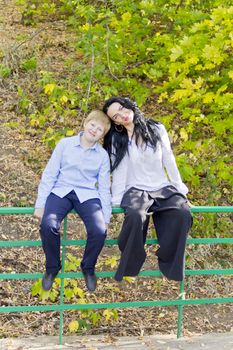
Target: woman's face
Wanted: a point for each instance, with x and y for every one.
(120, 115)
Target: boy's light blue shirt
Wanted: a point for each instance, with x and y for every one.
(72, 167)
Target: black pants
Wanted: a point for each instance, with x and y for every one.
(172, 221)
(90, 212)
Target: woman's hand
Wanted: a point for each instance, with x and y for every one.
(38, 213)
(190, 204)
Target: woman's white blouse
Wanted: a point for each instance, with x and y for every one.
(147, 169)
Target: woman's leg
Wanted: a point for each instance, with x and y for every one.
(172, 226)
(56, 209)
(133, 233)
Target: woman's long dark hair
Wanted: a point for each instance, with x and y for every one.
(144, 128)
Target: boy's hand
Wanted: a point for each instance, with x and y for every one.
(38, 213)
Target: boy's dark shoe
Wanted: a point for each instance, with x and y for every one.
(90, 280)
(48, 279)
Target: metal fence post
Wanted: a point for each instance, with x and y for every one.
(62, 280)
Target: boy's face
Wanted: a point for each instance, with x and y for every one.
(93, 131)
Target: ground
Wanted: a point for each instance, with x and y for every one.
(19, 178)
(211, 341)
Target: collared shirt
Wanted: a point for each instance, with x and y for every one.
(72, 167)
(146, 169)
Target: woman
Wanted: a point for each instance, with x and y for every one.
(146, 181)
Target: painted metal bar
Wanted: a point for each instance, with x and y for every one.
(105, 274)
(62, 281)
(117, 210)
(110, 242)
(180, 311)
(116, 305)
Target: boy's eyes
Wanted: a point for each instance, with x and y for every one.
(98, 128)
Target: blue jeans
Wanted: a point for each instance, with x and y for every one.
(90, 212)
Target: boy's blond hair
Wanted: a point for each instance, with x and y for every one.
(100, 117)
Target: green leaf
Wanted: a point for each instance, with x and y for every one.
(5, 71)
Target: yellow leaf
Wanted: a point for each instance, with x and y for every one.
(230, 74)
(63, 99)
(193, 60)
(208, 97)
(212, 54)
(112, 261)
(198, 84)
(73, 326)
(129, 279)
(79, 53)
(183, 134)
(176, 53)
(222, 88)
(81, 301)
(209, 66)
(162, 96)
(187, 83)
(86, 27)
(180, 93)
(198, 67)
(80, 292)
(107, 314)
(70, 132)
(126, 16)
(48, 89)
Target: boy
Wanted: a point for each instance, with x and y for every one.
(76, 176)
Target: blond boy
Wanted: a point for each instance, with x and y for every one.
(77, 176)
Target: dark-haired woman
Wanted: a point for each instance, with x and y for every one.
(146, 182)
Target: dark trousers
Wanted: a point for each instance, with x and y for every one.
(172, 220)
(90, 212)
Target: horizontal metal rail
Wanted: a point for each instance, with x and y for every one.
(110, 242)
(119, 305)
(106, 274)
(117, 210)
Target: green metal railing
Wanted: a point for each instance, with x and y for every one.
(64, 243)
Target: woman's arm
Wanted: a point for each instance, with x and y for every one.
(119, 178)
(169, 162)
(104, 188)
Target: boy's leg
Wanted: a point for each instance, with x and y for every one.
(56, 209)
(91, 213)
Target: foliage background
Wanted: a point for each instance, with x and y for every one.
(173, 57)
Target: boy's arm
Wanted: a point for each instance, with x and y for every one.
(39, 212)
(170, 163)
(49, 177)
(104, 188)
